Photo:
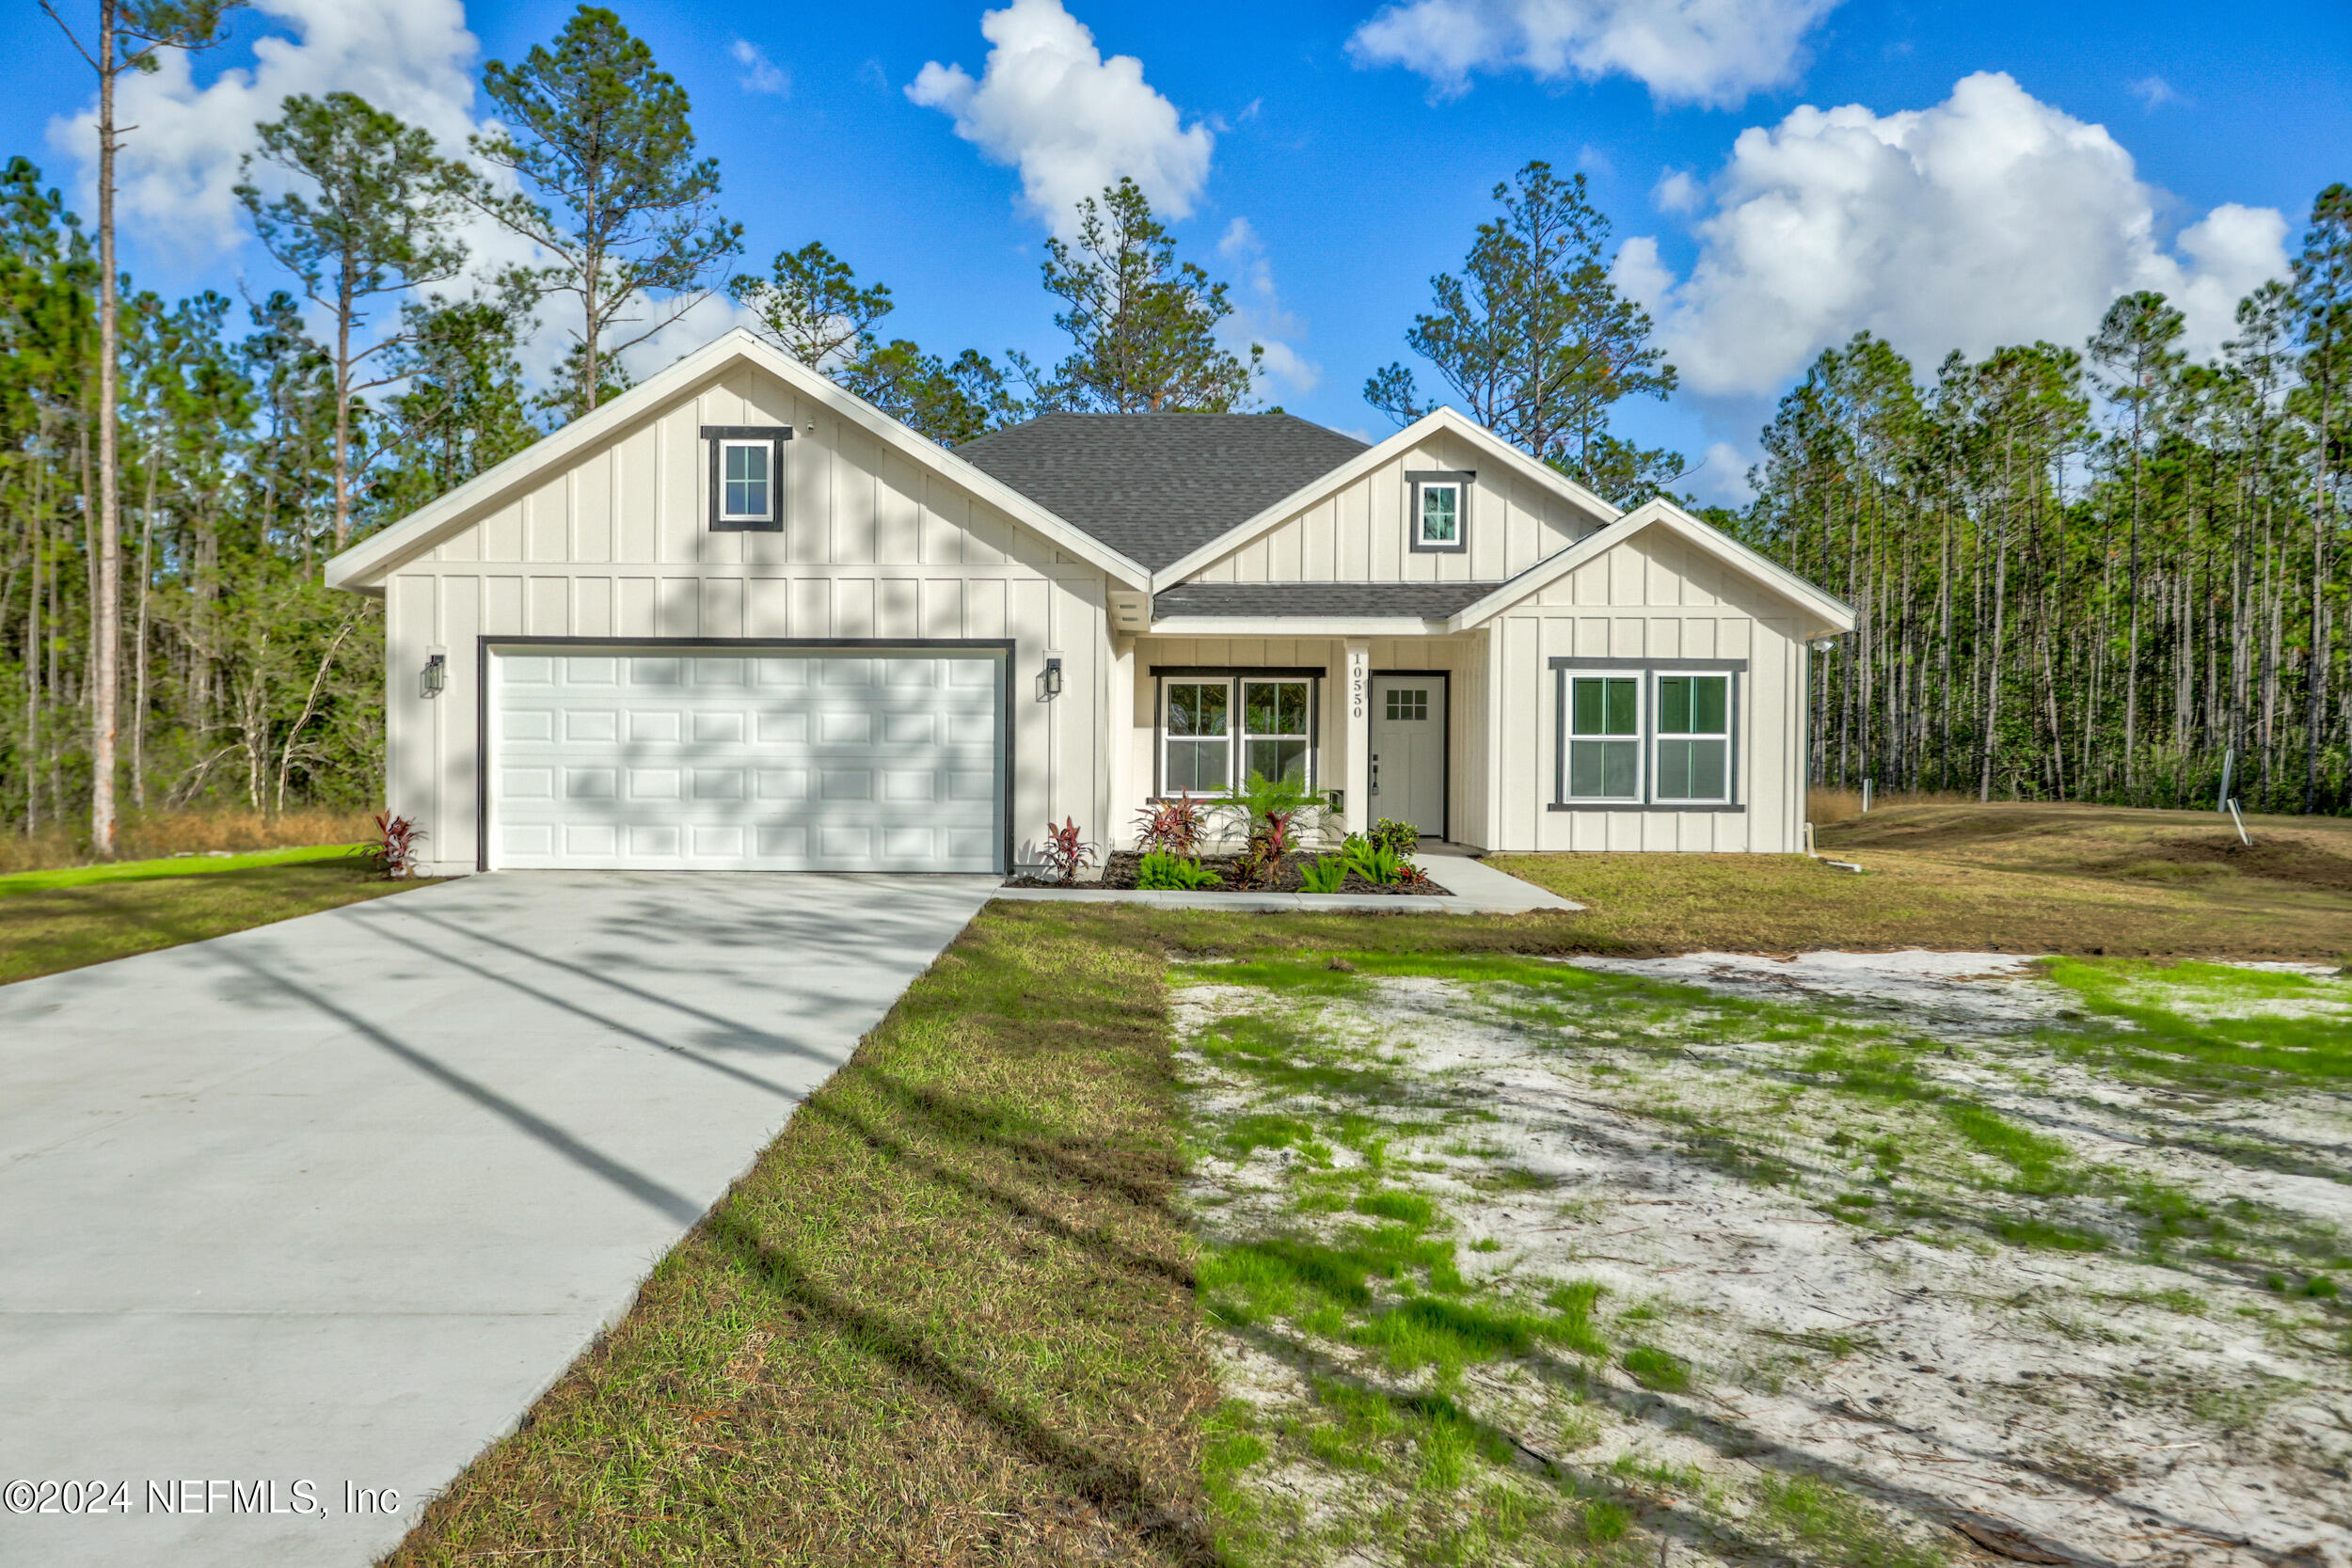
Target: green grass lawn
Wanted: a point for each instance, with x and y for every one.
(2018, 878)
(947, 1317)
(59, 920)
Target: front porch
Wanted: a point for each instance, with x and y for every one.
(1393, 726)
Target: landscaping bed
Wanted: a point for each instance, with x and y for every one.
(1120, 867)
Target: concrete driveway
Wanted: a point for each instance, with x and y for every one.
(332, 1201)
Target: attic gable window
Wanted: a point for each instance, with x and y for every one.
(747, 477)
(1439, 521)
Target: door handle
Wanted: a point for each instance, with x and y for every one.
(1375, 772)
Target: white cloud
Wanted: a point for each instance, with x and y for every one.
(1720, 478)
(1714, 51)
(177, 169)
(1990, 218)
(1071, 121)
(2153, 92)
(1258, 316)
(1676, 192)
(708, 319)
(759, 73)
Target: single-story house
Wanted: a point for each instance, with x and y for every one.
(738, 619)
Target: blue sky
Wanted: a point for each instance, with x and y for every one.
(1784, 173)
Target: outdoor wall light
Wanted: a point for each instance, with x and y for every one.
(436, 674)
(1053, 677)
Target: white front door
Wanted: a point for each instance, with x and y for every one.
(764, 760)
(1409, 751)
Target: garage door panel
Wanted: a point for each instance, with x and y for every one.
(779, 761)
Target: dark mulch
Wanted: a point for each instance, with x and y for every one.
(1119, 871)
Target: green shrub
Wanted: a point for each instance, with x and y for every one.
(1164, 872)
(1328, 874)
(1373, 864)
(1399, 838)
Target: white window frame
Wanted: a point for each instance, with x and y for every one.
(1169, 738)
(766, 450)
(775, 440)
(1304, 735)
(1638, 741)
(1660, 734)
(1237, 732)
(1423, 484)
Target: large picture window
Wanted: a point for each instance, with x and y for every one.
(1693, 738)
(1652, 734)
(1218, 729)
(1604, 738)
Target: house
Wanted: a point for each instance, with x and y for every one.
(739, 619)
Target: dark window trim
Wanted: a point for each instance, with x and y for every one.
(484, 643)
(715, 436)
(1296, 673)
(1414, 480)
(1232, 675)
(1647, 670)
(1445, 790)
(1670, 666)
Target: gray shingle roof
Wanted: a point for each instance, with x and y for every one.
(1155, 488)
(1428, 600)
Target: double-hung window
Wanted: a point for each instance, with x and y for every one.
(1218, 729)
(1657, 735)
(747, 477)
(1439, 518)
(1200, 759)
(1693, 738)
(1604, 738)
(1273, 728)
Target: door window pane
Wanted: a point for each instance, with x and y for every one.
(1407, 704)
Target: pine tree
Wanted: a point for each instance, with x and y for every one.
(602, 139)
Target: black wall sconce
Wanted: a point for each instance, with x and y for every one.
(1053, 676)
(436, 674)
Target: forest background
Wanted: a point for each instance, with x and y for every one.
(2099, 570)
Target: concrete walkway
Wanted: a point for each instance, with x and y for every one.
(1477, 888)
(334, 1200)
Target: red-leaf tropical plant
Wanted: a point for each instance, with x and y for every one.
(394, 851)
(1065, 851)
(1172, 827)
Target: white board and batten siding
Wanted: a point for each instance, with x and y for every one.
(1651, 597)
(613, 547)
(1358, 533)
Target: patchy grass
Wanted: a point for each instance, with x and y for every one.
(2085, 880)
(946, 1318)
(46, 928)
(1628, 1265)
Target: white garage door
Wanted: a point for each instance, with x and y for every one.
(633, 758)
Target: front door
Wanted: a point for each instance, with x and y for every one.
(1409, 751)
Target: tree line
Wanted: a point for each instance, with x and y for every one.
(173, 473)
(2109, 572)
(2092, 572)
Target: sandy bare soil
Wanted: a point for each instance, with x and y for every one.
(1887, 1268)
